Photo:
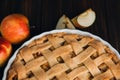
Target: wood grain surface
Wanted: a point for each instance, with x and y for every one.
(44, 14)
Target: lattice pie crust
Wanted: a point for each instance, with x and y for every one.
(63, 56)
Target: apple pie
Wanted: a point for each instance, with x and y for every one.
(65, 56)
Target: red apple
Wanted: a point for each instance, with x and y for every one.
(15, 28)
(5, 50)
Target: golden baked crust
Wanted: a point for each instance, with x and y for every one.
(63, 56)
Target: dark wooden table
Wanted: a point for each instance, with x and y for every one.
(44, 14)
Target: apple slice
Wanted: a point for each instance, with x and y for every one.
(61, 23)
(69, 24)
(64, 22)
(85, 19)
